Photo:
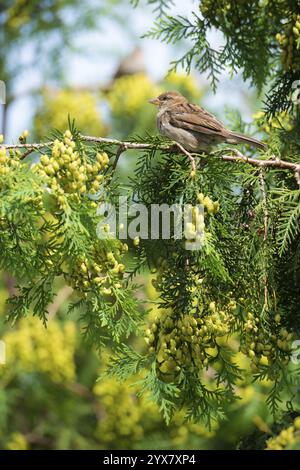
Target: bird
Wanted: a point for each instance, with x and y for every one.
(194, 128)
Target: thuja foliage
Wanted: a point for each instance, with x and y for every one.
(224, 300)
(244, 281)
(287, 439)
(49, 221)
(230, 291)
(232, 300)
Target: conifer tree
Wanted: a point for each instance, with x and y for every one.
(237, 295)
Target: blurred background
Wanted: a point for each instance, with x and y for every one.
(89, 60)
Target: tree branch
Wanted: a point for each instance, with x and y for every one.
(263, 189)
(61, 297)
(238, 157)
(235, 155)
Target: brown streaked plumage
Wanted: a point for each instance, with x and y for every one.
(192, 126)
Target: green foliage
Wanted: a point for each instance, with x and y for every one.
(223, 290)
(288, 204)
(160, 7)
(49, 221)
(50, 375)
(201, 55)
(224, 314)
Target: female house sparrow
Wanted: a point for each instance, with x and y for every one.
(193, 127)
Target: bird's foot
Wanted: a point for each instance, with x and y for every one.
(189, 155)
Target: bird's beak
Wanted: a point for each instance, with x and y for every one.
(154, 101)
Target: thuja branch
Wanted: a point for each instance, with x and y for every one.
(235, 156)
(262, 184)
(238, 157)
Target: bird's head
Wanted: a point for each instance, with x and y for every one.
(168, 99)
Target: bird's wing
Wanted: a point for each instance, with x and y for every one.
(196, 119)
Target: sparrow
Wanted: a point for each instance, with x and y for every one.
(192, 126)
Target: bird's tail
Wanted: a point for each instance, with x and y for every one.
(236, 138)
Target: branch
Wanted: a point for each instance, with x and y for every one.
(88, 138)
(236, 156)
(190, 157)
(61, 297)
(263, 189)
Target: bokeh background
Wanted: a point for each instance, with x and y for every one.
(89, 60)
